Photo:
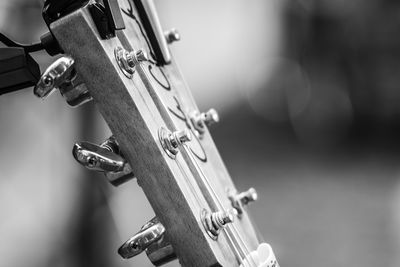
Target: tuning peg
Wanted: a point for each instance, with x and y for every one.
(172, 36)
(214, 222)
(200, 120)
(247, 196)
(128, 60)
(242, 199)
(151, 239)
(104, 158)
(61, 75)
(170, 141)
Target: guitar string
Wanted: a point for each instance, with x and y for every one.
(219, 203)
(229, 226)
(241, 254)
(190, 185)
(198, 167)
(236, 252)
(180, 167)
(145, 79)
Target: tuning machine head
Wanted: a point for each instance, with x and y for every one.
(104, 158)
(151, 239)
(127, 60)
(203, 119)
(242, 199)
(61, 74)
(170, 141)
(172, 35)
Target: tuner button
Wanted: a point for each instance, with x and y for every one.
(128, 60)
(248, 196)
(171, 141)
(242, 199)
(150, 233)
(62, 75)
(97, 158)
(59, 72)
(172, 36)
(180, 137)
(141, 56)
(104, 158)
(210, 117)
(214, 222)
(200, 120)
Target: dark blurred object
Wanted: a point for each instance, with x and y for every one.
(54, 9)
(18, 70)
(350, 53)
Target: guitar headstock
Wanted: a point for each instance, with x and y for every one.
(117, 55)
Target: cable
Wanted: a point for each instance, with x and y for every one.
(28, 48)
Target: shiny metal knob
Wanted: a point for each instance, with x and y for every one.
(56, 74)
(213, 222)
(242, 199)
(179, 137)
(104, 158)
(97, 158)
(150, 233)
(200, 120)
(210, 117)
(247, 196)
(171, 141)
(127, 60)
(172, 36)
(61, 75)
(141, 56)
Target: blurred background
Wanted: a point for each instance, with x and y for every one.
(307, 93)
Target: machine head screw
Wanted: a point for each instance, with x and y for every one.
(172, 35)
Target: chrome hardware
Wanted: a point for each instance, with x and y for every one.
(150, 233)
(141, 55)
(213, 222)
(248, 196)
(263, 256)
(61, 75)
(242, 199)
(55, 75)
(104, 158)
(171, 141)
(128, 60)
(172, 36)
(200, 120)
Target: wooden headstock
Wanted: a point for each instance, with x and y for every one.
(163, 138)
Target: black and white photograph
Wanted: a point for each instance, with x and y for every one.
(139, 133)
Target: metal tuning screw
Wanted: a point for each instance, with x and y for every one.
(128, 60)
(242, 199)
(151, 239)
(172, 36)
(248, 196)
(104, 158)
(170, 141)
(214, 222)
(200, 120)
(61, 75)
